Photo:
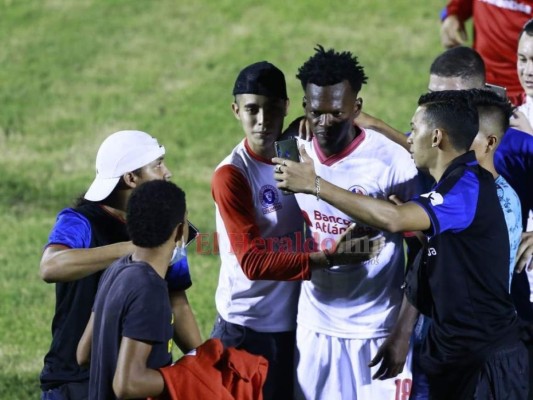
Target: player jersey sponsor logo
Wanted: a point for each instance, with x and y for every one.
(331, 224)
(357, 189)
(434, 197)
(269, 198)
(335, 225)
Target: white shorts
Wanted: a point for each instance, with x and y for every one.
(332, 368)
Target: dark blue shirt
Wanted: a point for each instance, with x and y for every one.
(73, 230)
(467, 265)
(513, 159)
(74, 299)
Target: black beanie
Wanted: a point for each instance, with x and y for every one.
(261, 78)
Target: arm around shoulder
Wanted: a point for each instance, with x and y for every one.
(62, 264)
(365, 120)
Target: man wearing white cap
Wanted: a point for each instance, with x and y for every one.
(89, 237)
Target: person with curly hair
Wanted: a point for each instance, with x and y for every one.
(129, 335)
(346, 312)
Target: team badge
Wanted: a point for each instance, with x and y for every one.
(434, 197)
(269, 198)
(358, 190)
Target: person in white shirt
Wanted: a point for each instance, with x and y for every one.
(345, 313)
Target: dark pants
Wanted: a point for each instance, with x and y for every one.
(529, 347)
(276, 347)
(420, 385)
(68, 391)
(527, 337)
(504, 375)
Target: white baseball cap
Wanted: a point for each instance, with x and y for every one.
(120, 153)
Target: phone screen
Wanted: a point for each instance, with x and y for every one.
(287, 149)
(193, 232)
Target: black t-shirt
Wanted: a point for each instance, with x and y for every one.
(132, 301)
(467, 265)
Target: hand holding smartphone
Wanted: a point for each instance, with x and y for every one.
(287, 149)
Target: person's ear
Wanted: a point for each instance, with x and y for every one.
(130, 179)
(357, 107)
(235, 109)
(178, 232)
(287, 104)
(436, 138)
(304, 102)
(492, 142)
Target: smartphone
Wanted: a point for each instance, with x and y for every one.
(193, 232)
(499, 90)
(288, 149)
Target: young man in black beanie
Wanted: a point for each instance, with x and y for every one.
(260, 235)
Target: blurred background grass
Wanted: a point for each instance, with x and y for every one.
(73, 72)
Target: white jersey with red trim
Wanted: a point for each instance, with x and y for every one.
(254, 216)
(359, 301)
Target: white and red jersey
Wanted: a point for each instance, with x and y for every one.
(260, 243)
(359, 301)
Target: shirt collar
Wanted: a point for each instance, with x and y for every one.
(468, 158)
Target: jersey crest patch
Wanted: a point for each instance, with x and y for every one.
(358, 190)
(269, 197)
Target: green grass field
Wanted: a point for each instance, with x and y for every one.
(72, 72)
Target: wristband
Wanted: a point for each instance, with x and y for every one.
(317, 188)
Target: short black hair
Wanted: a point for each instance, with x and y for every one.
(453, 112)
(462, 61)
(154, 210)
(527, 29)
(491, 104)
(326, 68)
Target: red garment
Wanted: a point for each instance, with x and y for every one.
(215, 374)
(497, 25)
